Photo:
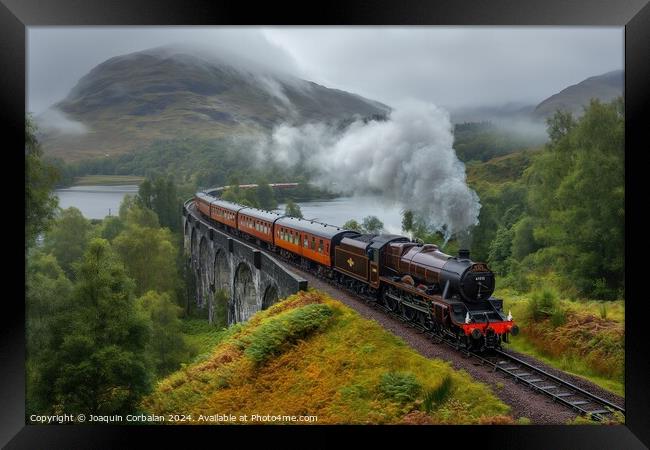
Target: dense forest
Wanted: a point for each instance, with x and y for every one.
(104, 298)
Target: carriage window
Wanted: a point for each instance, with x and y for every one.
(320, 246)
(306, 245)
(313, 243)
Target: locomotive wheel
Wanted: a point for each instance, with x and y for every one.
(424, 321)
(409, 313)
(391, 303)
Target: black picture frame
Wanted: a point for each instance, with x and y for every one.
(16, 15)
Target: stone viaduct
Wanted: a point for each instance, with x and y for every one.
(253, 279)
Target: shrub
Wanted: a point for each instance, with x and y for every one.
(438, 395)
(274, 336)
(542, 305)
(558, 317)
(603, 311)
(602, 291)
(402, 387)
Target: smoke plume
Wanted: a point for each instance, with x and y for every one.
(408, 159)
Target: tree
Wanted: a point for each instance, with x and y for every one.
(111, 227)
(523, 239)
(293, 210)
(353, 225)
(265, 196)
(500, 249)
(40, 179)
(96, 360)
(372, 225)
(167, 347)
(408, 223)
(149, 257)
(159, 194)
(48, 295)
(68, 237)
(131, 212)
(559, 125)
(369, 225)
(576, 198)
(145, 193)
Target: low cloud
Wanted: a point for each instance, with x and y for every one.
(54, 120)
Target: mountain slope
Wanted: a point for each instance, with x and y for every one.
(129, 101)
(605, 87)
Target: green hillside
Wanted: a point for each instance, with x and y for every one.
(311, 355)
(501, 169)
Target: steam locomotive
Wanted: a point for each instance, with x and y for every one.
(449, 295)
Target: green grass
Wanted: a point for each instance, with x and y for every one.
(581, 337)
(108, 180)
(310, 354)
(402, 387)
(202, 336)
(438, 395)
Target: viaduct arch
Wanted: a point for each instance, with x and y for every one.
(251, 279)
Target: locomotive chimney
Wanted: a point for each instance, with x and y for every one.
(463, 253)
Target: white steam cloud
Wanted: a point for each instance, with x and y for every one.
(408, 159)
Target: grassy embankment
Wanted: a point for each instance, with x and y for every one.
(311, 355)
(582, 337)
(108, 180)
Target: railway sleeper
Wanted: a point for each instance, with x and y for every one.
(535, 380)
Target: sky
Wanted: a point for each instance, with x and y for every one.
(452, 67)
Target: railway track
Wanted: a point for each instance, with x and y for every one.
(538, 380)
(559, 390)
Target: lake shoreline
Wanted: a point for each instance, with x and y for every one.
(99, 201)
